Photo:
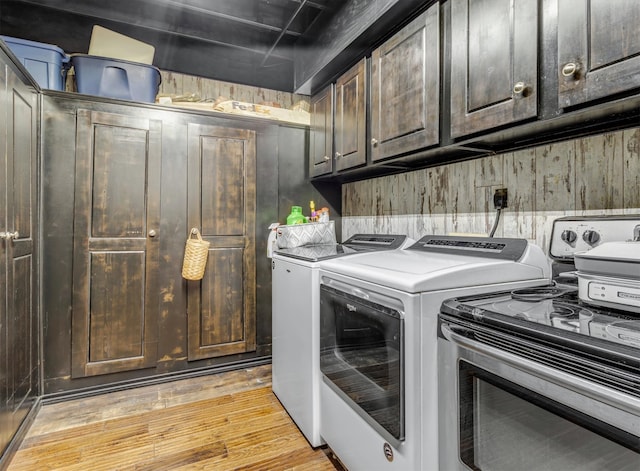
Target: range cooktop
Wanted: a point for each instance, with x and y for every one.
(553, 311)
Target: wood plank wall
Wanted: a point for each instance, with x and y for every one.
(207, 89)
(593, 175)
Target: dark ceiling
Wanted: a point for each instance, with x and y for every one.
(249, 42)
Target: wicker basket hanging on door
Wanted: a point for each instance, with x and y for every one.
(196, 252)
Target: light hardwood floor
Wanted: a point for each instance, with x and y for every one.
(228, 421)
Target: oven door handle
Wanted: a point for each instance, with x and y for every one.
(579, 385)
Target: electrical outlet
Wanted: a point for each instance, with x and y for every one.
(500, 198)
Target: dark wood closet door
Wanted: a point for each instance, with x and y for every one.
(598, 49)
(18, 300)
(494, 67)
(221, 308)
(115, 255)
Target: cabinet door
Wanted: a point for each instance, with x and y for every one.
(493, 63)
(115, 253)
(405, 74)
(18, 300)
(350, 123)
(221, 198)
(598, 49)
(321, 137)
(19, 242)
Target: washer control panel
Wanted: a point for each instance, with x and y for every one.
(573, 234)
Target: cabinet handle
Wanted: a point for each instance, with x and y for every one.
(374, 142)
(520, 88)
(326, 157)
(152, 233)
(570, 69)
(9, 235)
(338, 155)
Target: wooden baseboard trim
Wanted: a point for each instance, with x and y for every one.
(150, 381)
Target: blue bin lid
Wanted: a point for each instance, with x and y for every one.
(26, 42)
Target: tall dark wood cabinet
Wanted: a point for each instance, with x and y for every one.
(494, 66)
(19, 351)
(598, 49)
(321, 136)
(124, 184)
(115, 248)
(221, 187)
(405, 91)
(351, 117)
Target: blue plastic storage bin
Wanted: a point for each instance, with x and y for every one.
(115, 78)
(45, 62)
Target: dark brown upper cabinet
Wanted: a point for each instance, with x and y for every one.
(493, 63)
(405, 74)
(321, 135)
(350, 120)
(116, 243)
(598, 49)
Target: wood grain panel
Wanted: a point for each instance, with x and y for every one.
(222, 186)
(22, 145)
(21, 338)
(117, 322)
(555, 176)
(599, 167)
(119, 204)
(489, 54)
(631, 168)
(520, 181)
(222, 313)
(593, 174)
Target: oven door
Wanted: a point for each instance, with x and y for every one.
(500, 409)
(362, 356)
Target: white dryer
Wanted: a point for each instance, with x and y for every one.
(378, 341)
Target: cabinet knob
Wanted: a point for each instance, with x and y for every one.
(520, 88)
(374, 142)
(570, 69)
(338, 155)
(9, 235)
(152, 233)
(326, 157)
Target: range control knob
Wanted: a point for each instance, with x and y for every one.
(591, 237)
(569, 236)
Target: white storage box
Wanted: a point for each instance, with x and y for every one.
(312, 233)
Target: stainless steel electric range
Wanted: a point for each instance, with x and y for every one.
(547, 377)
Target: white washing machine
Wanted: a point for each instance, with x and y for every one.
(295, 323)
(378, 341)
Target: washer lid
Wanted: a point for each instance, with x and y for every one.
(416, 271)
